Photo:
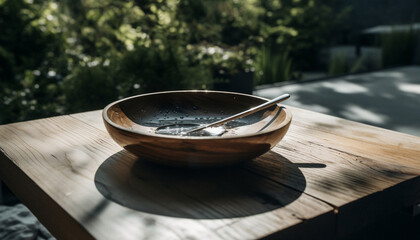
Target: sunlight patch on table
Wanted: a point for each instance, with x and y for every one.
(78, 158)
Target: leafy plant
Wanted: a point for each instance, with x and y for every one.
(272, 66)
(157, 69)
(89, 88)
(65, 56)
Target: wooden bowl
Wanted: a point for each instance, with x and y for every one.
(132, 122)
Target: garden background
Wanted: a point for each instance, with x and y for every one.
(60, 57)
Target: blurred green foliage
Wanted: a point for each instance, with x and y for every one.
(272, 66)
(399, 47)
(340, 64)
(66, 56)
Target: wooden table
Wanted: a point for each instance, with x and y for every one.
(328, 177)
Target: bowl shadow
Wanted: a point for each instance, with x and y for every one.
(236, 191)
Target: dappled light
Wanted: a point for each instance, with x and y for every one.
(409, 88)
(344, 87)
(360, 114)
(387, 98)
(395, 74)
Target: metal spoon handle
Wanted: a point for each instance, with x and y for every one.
(244, 113)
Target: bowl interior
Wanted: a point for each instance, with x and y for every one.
(145, 113)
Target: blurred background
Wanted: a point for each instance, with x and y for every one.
(59, 57)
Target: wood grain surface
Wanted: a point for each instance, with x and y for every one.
(326, 178)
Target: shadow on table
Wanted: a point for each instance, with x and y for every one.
(227, 192)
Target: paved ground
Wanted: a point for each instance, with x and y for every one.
(388, 98)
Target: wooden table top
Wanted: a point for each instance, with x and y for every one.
(328, 177)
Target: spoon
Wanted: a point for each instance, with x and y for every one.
(212, 129)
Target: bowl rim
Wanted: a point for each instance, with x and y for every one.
(286, 121)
